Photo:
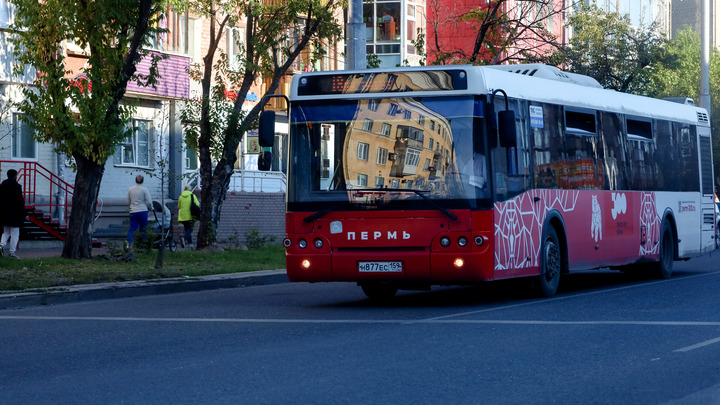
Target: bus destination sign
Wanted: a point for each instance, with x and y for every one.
(383, 82)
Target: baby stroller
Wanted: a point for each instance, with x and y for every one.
(164, 229)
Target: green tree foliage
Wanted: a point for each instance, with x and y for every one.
(679, 76)
(84, 119)
(276, 33)
(606, 47)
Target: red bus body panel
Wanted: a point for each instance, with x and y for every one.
(409, 237)
(600, 228)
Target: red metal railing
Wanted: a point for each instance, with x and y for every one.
(42, 189)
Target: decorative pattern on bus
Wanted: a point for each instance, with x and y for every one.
(519, 223)
(650, 223)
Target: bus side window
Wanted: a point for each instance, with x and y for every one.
(615, 161)
(584, 166)
(547, 144)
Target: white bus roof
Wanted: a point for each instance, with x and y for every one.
(547, 85)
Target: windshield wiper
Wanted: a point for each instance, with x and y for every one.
(316, 215)
(319, 214)
(435, 204)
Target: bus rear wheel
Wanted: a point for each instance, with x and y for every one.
(379, 291)
(550, 264)
(664, 267)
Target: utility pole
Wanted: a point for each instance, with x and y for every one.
(356, 53)
(705, 58)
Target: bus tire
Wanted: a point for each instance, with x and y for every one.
(664, 266)
(550, 263)
(379, 291)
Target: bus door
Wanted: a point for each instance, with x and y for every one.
(708, 188)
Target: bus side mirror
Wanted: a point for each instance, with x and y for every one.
(506, 128)
(265, 161)
(266, 129)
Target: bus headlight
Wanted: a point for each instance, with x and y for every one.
(479, 240)
(287, 242)
(302, 243)
(458, 263)
(445, 241)
(305, 264)
(318, 243)
(462, 241)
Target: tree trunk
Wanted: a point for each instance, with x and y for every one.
(214, 192)
(78, 244)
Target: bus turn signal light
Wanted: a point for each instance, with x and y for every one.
(305, 264)
(459, 263)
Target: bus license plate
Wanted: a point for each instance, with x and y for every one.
(380, 267)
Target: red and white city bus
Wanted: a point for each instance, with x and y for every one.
(463, 174)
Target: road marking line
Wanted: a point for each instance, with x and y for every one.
(566, 297)
(698, 345)
(363, 321)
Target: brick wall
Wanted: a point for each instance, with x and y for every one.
(243, 211)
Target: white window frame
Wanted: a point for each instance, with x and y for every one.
(362, 151)
(18, 140)
(382, 156)
(133, 144)
(235, 45)
(367, 125)
(412, 157)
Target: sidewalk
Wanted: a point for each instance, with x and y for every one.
(86, 292)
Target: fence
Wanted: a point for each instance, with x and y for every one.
(42, 189)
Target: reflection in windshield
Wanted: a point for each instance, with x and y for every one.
(419, 145)
(386, 146)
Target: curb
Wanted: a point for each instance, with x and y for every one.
(88, 292)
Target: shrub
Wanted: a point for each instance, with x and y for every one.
(254, 240)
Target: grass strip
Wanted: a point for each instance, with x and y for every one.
(34, 274)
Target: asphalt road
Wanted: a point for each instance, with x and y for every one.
(606, 338)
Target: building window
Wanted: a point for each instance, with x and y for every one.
(392, 109)
(367, 124)
(382, 156)
(412, 158)
(235, 47)
(362, 180)
(135, 149)
(385, 130)
(24, 145)
(362, 151)
(421, 119)
(177, 36)
(379, 182)
(395, 183)
(373, 104)
(191, 159)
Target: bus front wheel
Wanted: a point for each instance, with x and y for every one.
(550, 264)
(379, 291)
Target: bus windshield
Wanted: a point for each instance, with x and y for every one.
(398, 152)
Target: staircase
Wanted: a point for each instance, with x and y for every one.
(48, 199)
(40, 226)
